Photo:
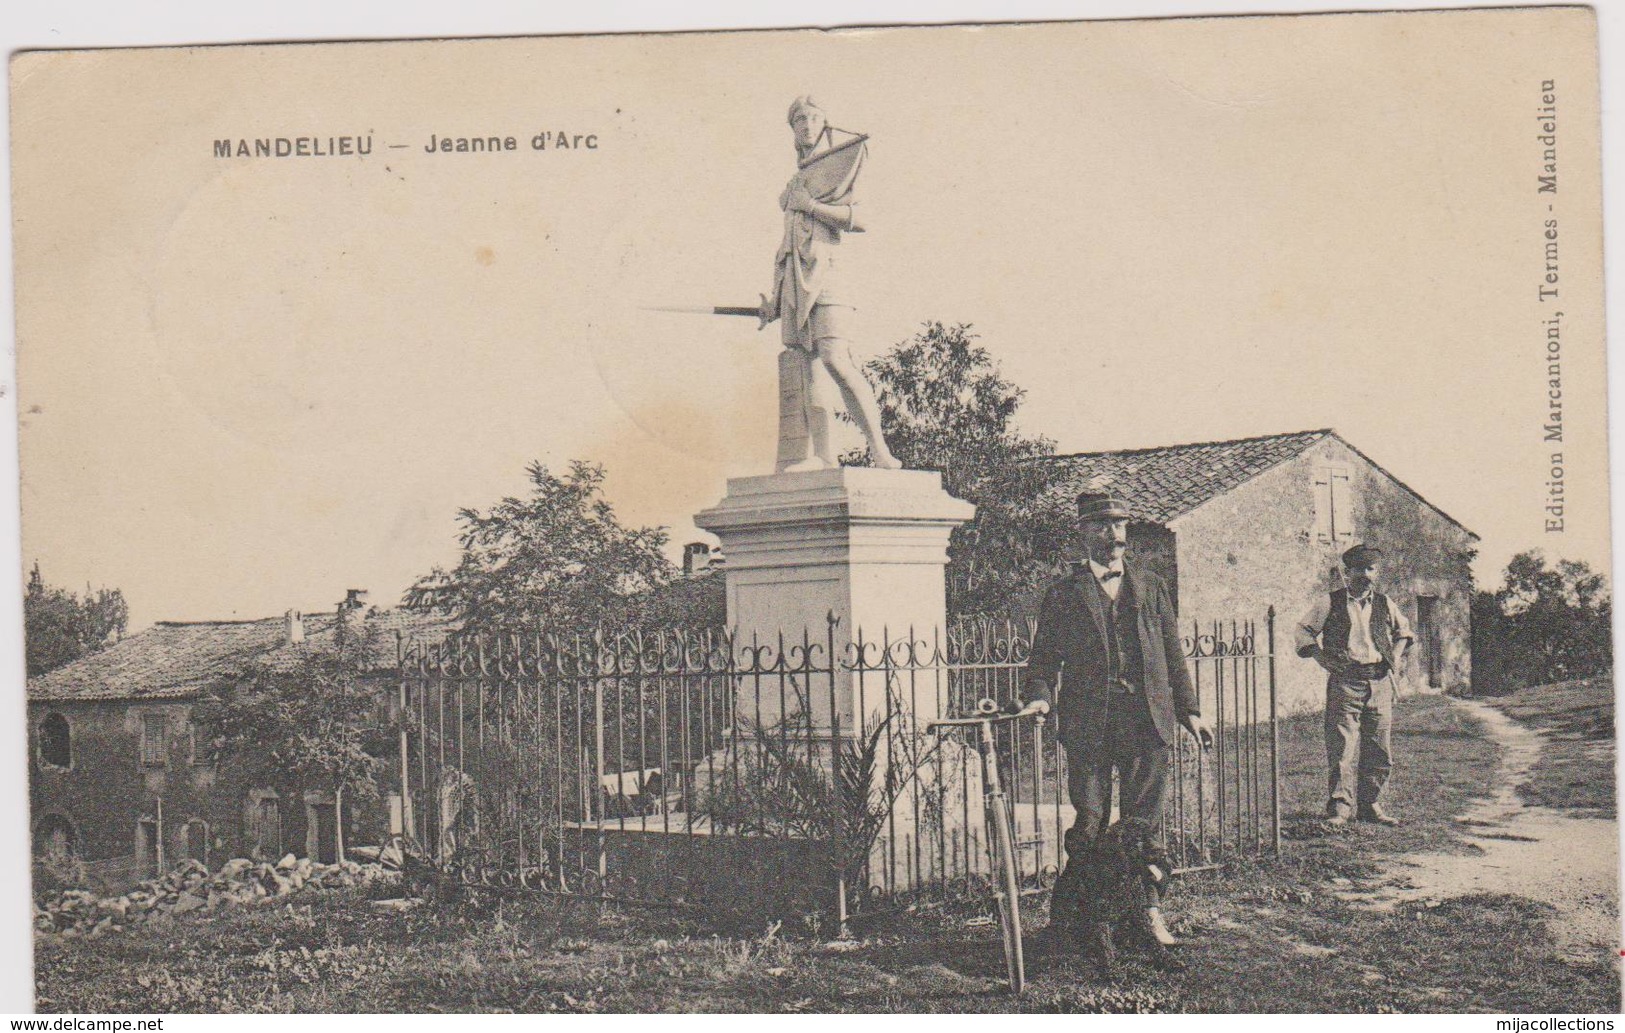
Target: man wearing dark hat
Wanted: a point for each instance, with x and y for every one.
(1108, 638)
(1359, 636)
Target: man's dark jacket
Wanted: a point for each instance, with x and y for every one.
(1071, 643)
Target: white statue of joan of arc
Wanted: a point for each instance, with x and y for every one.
(810, 297)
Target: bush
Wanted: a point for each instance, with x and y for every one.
(1545, 624)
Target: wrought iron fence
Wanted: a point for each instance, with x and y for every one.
(692, 768)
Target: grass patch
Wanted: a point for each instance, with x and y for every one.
(1441, 763)
(1576, 768)
(1273, 937)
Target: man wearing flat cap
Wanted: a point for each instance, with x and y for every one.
(1359, 637)
(1108, 639)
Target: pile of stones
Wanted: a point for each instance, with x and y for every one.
(192, 887)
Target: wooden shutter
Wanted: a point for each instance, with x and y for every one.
(265, 827)
(1342, 506)
(271, 827)
(152, 740)
(1334, 506)
(1323, 506)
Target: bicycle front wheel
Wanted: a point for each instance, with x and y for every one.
(1008, 891)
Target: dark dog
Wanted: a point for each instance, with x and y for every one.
(1117, 878)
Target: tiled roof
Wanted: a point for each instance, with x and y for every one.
(1163, 484)
(1160, 484)
(175, 660)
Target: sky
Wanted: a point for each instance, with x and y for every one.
(249, 385)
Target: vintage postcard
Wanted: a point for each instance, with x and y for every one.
(1094, 516)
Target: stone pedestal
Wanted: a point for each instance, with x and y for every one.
(868, 546)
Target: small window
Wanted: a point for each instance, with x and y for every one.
(1334, 512)
(55, 742)
(153, 749)
(198, 749)
(55, 839)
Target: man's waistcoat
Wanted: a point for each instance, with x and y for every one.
(1125, 656)
(1335, 635)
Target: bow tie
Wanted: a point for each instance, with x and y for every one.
(1111, 574)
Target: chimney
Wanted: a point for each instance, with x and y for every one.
(354, 599)
(293, 628)
(696, 557)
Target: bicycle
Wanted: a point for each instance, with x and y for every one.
(1001, 827)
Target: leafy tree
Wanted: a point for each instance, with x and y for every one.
(693, 603)
(944, 406)
(313, 723)
(557, 560)
(60, 627)
(1544, 624)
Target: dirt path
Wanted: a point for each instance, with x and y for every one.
(1540, 853)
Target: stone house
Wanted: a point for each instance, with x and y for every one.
(1236, 527)
(122, 780)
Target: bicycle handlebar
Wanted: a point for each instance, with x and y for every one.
(1037, 708)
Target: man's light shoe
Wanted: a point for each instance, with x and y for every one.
(1159, 928)
(1378, 816)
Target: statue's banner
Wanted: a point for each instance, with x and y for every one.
(831, 173)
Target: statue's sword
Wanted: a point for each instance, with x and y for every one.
(753, 311)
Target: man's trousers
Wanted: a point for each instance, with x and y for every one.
(1132, 747)
(1359, 729)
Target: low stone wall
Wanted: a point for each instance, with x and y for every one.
(192, 887)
